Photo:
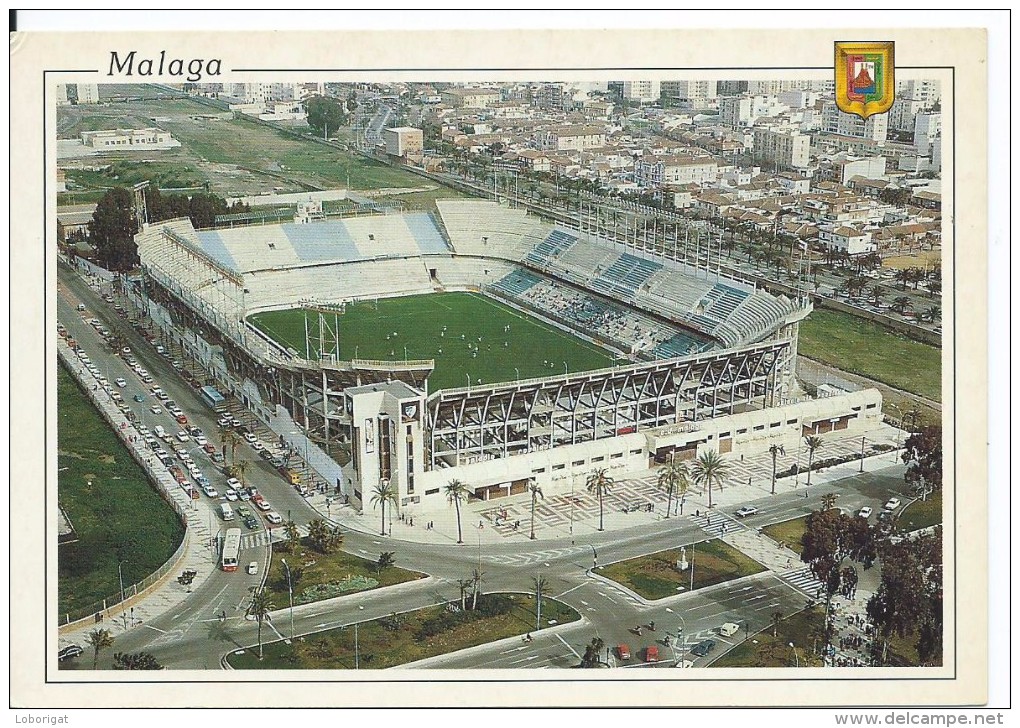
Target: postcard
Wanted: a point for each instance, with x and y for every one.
(500, 368)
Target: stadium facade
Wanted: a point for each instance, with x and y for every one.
(710, 359)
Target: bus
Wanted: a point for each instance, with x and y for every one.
(231, 547)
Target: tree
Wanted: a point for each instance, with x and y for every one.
(455, 490)
(599, 483)
(593, 653)
(540, 583)
(813, 442)
(293, 542)
(112, 230)
(876, 294)
(903, 277)
(463, 585)
(777, 618)
(774, 451)
(831, 537)
(325, 114)
(477, 576)
(674, 476)
(909, 595)
(241, 467)
(829, 501)
(933, 313)
(135, 661)
(536, 493)
(384, 492)
(922, 454)
(259, 608)
(324, 538)
(710, 469)
(227, 437)
(384, 561)
(99, 639)
(900, 304)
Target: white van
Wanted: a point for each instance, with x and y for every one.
(729, 629)
(226, 512)
(160, 432)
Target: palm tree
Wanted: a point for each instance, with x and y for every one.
(464, 585)
(774, 451)
(100, 639)
(382, 494)
(673, 476)
(813, 442)
(317, 534)
(477, 576)
(259, 608)
(600, 483)
(226, 433)
(455, 490)
(900, 305)
(241, 467)
(903, 277)
(593, 652)
(540, 585)
(290, 529)
(933, 314)
(536, 492)
(385, 561)
(710, 469)
(876, 294)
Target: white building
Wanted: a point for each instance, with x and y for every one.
(61, 94)
(88, 93)
(572, 138)
(835, 121)
(111, 139)
(690, 94)
(936, 153)
(643, 91)
(798, 98)
(846, 238)
(927, 92)
(927, 126)
(785, 148)
(675, 170)
(738, 112)
(405, 142)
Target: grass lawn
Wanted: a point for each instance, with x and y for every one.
(308, 568)
(655, 576)
(788, 532)
(536, 349)
(867, 349)
(764, 650)
(408, 637)
(921, 514)
(118, 517)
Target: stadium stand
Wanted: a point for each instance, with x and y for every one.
(488, 229)
(426, 232)
(556, 243)
(517, 282)
(626, 275)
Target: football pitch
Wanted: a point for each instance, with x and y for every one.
(468, 336)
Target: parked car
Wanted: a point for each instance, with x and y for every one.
(703, 648)
(209, 447)
(70, 652)
(211, 492)
(253, 568)
(251, 523)
(274, 518)
(263, 505)
(183, 436)
(652, 654)
(623, 651)
(745, 511)
(865, 512)
(230, 494)
(139, 398)
(892, 504)
(181, 419)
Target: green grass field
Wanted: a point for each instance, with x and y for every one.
(865, 348)
(115, 513)
(534, 348)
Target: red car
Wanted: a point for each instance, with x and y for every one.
(182, 419)
(652, 654)
(209, 448)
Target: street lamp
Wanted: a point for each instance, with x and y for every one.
(681, 631)
(795, 655)
(290, 592)
(862, 455)
(120, 577)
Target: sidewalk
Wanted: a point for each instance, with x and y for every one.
(634, 499)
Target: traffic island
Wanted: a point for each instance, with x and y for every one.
(657, 575)
(788, 533)
(921, 513)
(315, 576)
(772, 646)
(402, 638)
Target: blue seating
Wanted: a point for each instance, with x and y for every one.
(681, 344)
(626, 275)
(517, 282)
(723, 300)
(554, 244)
(426, 233)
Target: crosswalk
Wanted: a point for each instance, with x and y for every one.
(534, 557)
(803, 580)
(715, 524)
(264, 538)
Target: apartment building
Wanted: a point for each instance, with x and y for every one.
(785, 148)
(658, 171)
(835, 121)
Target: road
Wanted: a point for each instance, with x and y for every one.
(210, 622)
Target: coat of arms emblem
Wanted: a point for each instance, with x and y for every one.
(865, 77)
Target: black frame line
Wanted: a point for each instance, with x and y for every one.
(862, 681)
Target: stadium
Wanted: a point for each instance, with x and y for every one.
(484, 344)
